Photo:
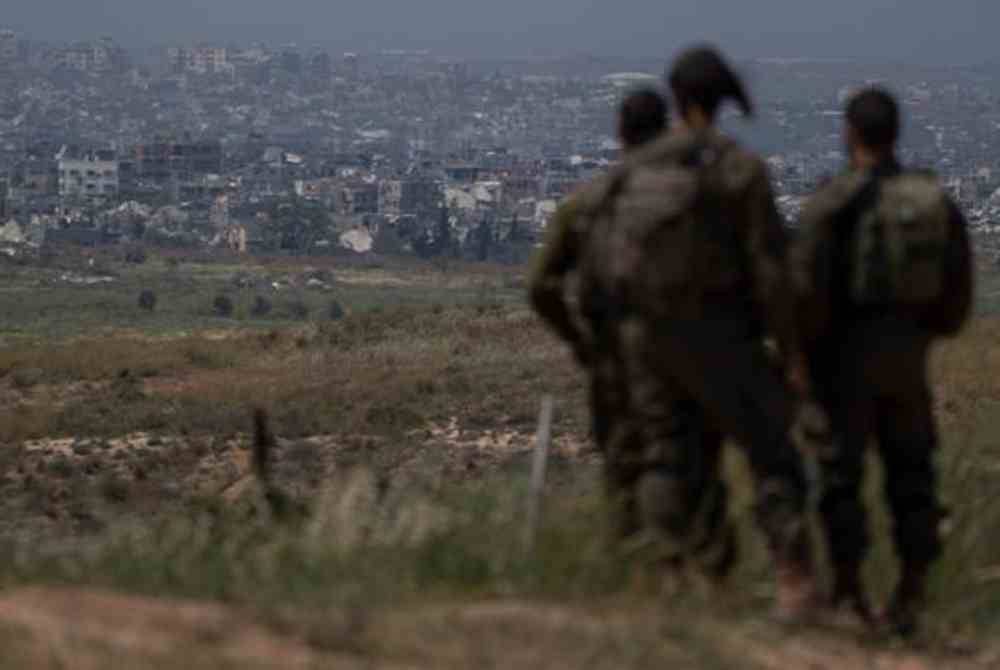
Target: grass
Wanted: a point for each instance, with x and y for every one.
(147, 496)
(44, 303)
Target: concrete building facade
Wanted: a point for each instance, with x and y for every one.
(10, 48)
(198, 60)
(88, 177)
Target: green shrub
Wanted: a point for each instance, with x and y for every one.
(223, 306)
(147, 300)
(336, 311)
(136, 255)
(261, 306)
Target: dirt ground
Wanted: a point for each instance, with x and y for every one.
(85, 629)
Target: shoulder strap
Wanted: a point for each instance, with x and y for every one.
(847, 218)
(845, 229)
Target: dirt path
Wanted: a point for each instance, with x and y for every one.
(72, 628)
(91, 630)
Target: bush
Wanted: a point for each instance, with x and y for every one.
(26, 378)
(336, 311)
(115, 489)
(223, 306)
(298, 309)
(147, 300)
(137, 255)
(261, 306)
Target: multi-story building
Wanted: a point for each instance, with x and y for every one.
(520, 186)
(166, 160)
(320, 65)
(10, 48)
(390, 195)
(420, 196)
(351, 66)
(357, 198)
(102, 56)
(198, 60)
(93, 177)
(3, 199)
(410, 196)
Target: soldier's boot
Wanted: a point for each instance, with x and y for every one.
(663, 578)
(622, 523)
(780, 513)
(713, 566)
(716, 547)
(622, 515)
(719, 564)
(849, 592)
(902, 616)
(659, 508)
(797, 594)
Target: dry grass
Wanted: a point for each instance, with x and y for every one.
(406, 430)
(368, 373)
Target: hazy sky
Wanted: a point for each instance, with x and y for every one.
(928, 31)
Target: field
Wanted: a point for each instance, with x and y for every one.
(404, 397)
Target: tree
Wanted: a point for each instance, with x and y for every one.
(484, 239)
(261, 306)
(444, 243)
(299, 224)
(136, 255)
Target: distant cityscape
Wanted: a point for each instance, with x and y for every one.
(285, 149)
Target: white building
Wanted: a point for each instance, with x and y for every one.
(198, 60)
(88, 178)
(95, 57)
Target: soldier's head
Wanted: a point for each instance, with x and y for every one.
(701, 80)
(872, 127)
(642, 118)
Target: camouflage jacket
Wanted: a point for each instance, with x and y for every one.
(817, 264)
(552, 269)
(739, 266)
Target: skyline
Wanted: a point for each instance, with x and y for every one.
(958, 33)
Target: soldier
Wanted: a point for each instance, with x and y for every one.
(686, 259)
(642, 118)
(882, 269)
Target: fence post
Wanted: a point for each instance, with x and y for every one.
(539, 465)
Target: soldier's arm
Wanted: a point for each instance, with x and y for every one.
(767, 246)
(554, 262)
(955, 305)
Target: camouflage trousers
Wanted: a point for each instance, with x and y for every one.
(608, 401)
(685, 387)
(874, 384)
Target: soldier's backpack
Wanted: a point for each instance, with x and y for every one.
(657, 235)
(900, 242)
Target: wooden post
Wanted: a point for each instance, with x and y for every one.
(539, 465)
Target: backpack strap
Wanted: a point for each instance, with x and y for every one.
(845, 229)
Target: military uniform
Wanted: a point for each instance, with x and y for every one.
(869, 368)
(553, 297)
(690, 335)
